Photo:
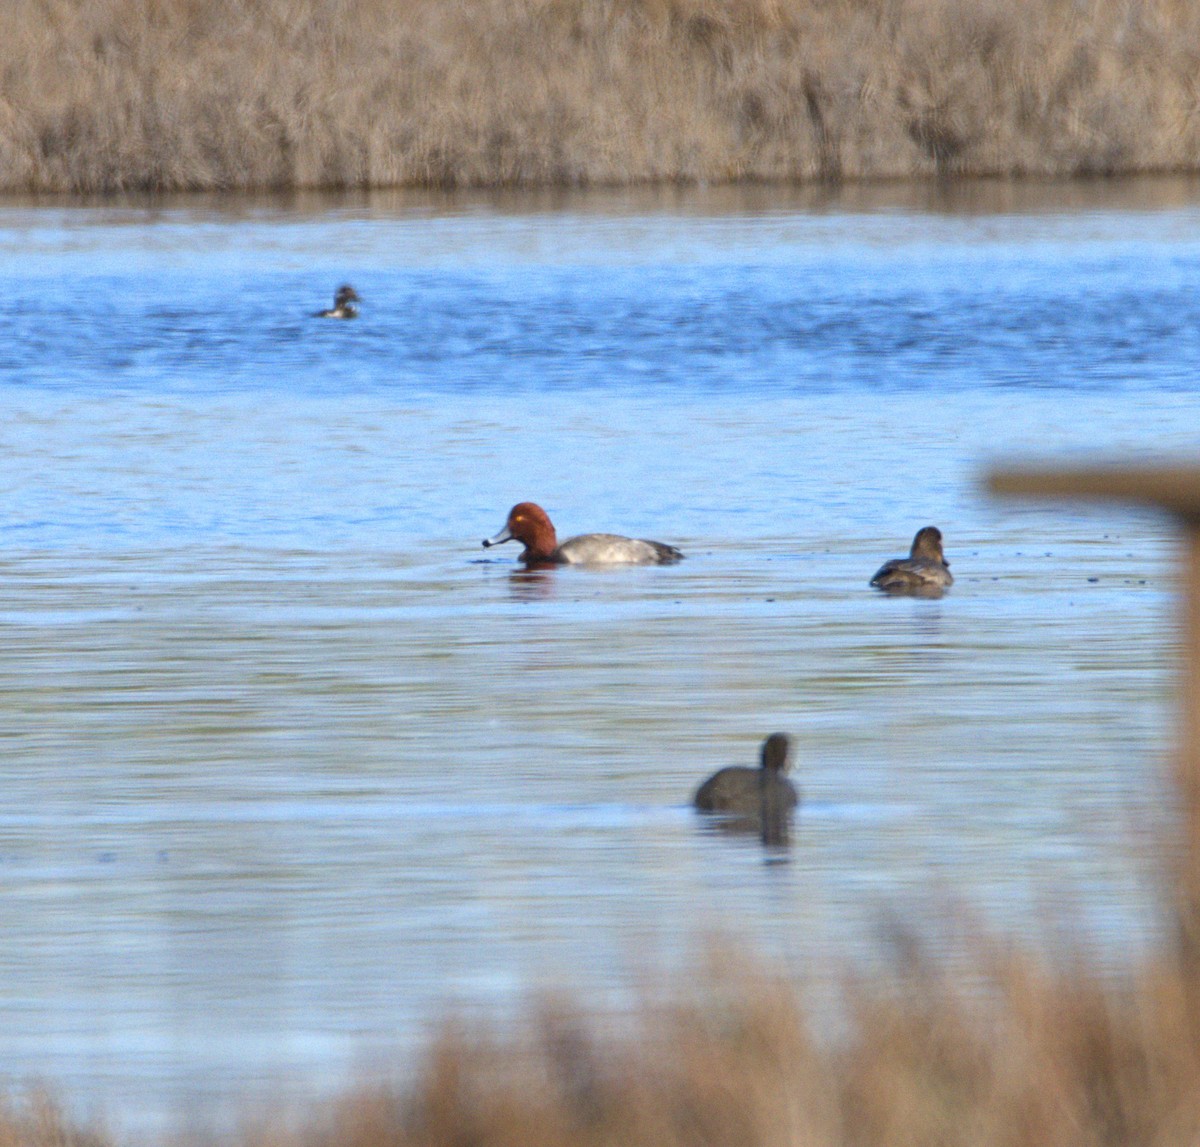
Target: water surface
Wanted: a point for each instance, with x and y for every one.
(291, 764)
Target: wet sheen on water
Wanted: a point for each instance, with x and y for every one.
(291, 763)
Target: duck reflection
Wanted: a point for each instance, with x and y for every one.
(532, 583)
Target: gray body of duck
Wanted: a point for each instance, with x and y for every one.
(761, 799)
(343, 304)
(925, 570)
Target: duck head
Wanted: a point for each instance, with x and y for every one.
(529, 523)
(775, 752)
(928, 545)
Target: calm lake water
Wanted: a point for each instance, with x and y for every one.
(291, 765)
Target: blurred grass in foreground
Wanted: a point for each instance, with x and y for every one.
(1016, 1053)
(171, 95)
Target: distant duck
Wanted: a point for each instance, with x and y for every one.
(343, 304)
(529, 523)
(757, 800)
(924, 571)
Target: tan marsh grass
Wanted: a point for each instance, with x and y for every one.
(1027, 1055)
(169, 95)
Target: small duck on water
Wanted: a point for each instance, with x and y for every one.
(925, 571)
(343, 304)
(754, 800)
(530, 524)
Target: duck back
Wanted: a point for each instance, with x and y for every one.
(902, 574)
(739, 789)
(588, 549)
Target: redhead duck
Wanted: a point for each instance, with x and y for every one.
(343, 304)
(925, 570)
(759, 799)
(530, 524)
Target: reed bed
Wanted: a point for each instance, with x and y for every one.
(1025, 1055)
(1020, 1054)
(176, 95)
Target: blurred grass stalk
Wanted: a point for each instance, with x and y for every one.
(176, 95)
(1016, 1054)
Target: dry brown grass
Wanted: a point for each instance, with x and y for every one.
(36, 1121)
(1026, 1056)
(168, 95)
(1021, 1055)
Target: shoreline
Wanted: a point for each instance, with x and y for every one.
(967, 195)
